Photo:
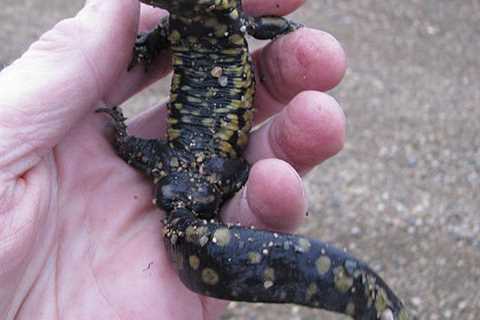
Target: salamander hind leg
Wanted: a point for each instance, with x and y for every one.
(233, 173)
(242, 264)
(146, 155)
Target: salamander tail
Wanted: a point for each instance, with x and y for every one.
(244, 264)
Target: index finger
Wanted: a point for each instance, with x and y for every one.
(306, 59)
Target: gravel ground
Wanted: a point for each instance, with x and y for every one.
(403, 193)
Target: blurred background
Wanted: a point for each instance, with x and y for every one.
(404, 193)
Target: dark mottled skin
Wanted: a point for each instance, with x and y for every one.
(201, 165)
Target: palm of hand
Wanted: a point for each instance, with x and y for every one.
(113, 241)
(79, 236)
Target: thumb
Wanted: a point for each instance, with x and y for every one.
(60, 78)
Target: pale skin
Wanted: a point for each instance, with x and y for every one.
(79, 235)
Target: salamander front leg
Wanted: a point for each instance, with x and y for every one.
(143, 154)
(269, 27)
(149, 44)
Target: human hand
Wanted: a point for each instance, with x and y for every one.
(79, 236)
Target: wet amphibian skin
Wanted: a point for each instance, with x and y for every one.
(200, 165)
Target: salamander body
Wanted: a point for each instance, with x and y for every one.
(200, 165)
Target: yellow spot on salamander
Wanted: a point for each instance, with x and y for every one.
(404, 315)
(233, 51)
(225, 4)
(224, 134)
(210, 276)
(237, 104)
(208, 122)
(269, 278)
(232, 117)
(382, 302)
(323, 265)
(173, 133)
(269, 274)
(237, 39)
(254, 257)
(343, 282)
(304, 245)
(172, 120)
(234, 14)
(222, 237)
(194, 262)
(175, 36)
(177, 61)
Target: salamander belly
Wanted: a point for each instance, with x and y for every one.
(211, 98)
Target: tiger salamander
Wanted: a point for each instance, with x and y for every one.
(200, 165)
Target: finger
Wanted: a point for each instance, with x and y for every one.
(308, 131)
(271, 7)
(61, 77)
(306, 59)
(273, 198)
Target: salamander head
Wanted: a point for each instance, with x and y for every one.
(182, 189)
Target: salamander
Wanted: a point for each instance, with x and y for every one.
(200, 165)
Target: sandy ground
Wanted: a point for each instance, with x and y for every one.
(403, 194)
